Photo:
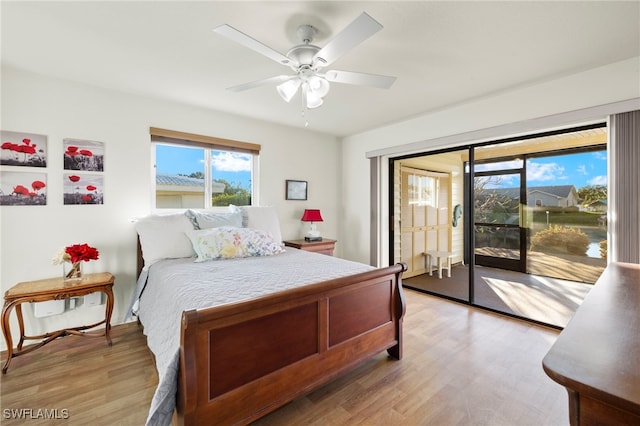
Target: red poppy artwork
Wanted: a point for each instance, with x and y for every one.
(23, 189)
(23, 149)
(83, 155)
(83, 188)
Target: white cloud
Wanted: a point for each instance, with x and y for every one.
(231, 162)
(582, 169)
(544, 172)
(600, 155)
(598, 180)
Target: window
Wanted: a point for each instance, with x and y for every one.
(194, 171)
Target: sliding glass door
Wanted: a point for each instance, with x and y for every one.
(523, 222)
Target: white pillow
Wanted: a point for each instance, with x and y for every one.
(228, 242)
(163, 237)
(263, 218)
(211, 219)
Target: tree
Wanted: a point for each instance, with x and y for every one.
(592, 193)
(234, 193)
(195, 175)
(491, 204)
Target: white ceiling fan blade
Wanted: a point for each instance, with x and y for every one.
(253, 44)
(360, 79)
(355, 33)
(251, 85)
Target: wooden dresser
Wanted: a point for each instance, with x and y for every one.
(597, 355)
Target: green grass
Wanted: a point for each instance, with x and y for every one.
(569, 218)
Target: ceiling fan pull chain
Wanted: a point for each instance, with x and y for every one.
(303, 109)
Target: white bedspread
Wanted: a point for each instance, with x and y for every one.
(177, 285)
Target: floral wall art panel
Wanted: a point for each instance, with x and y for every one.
(23, 189)
(83, 155)
(23, 149)
(83, 189)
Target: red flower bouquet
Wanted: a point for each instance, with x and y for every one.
(81, 252)
(75, 254)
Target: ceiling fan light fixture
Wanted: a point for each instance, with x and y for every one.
(311, 99)
(319, 86)
(289, 88)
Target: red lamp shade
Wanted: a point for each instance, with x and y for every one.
(311, 215)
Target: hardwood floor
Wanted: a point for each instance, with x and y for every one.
(461, 366)
(95, 384)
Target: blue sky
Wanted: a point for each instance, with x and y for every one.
(579, 170)
(588, 168)
(230, 166)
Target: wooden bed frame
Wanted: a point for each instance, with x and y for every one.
(241, 361)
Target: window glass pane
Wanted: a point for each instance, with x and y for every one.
(231, 175)
(421, 190)
(516, 163)
(569, 217)
(182, 173)
(179, 177)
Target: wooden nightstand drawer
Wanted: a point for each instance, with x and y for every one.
(326, 246)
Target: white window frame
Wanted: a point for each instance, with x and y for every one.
(208, 144)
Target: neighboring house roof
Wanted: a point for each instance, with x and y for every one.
(186, 183)
(167, 179)
(559, 191)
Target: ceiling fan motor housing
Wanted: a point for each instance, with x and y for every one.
(303, 54)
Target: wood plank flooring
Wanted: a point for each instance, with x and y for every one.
(461, 366)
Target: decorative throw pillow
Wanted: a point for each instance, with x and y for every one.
(163, 237)
(214, 219)
(230, 242)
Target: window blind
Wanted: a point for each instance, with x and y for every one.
(209, 142)
(625, 191)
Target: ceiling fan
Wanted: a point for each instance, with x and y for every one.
(307, 61)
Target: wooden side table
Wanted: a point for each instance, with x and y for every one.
(53, 289)
(326, 246)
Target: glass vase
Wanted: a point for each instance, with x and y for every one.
(72, 271)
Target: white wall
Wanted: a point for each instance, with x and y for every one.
(30, 235)
(522, 110)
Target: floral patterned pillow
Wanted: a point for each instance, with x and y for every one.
(227, 242)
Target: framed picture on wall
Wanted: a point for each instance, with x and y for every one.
(83, 189)
(296, 190)
(23, 149)
(23, 189)
(83, 155)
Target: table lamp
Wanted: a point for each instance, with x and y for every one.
(312, 215)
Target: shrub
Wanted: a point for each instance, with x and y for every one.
(603, 249)
(559, 239)
(238, 199)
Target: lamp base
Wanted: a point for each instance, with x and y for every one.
(313, 238)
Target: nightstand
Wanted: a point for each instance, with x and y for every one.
(326, 246)
(53, 289)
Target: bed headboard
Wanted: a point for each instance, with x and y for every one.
(140, 261)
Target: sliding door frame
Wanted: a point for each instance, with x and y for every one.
(468, 208)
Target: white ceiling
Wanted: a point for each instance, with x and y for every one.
(443, 53)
